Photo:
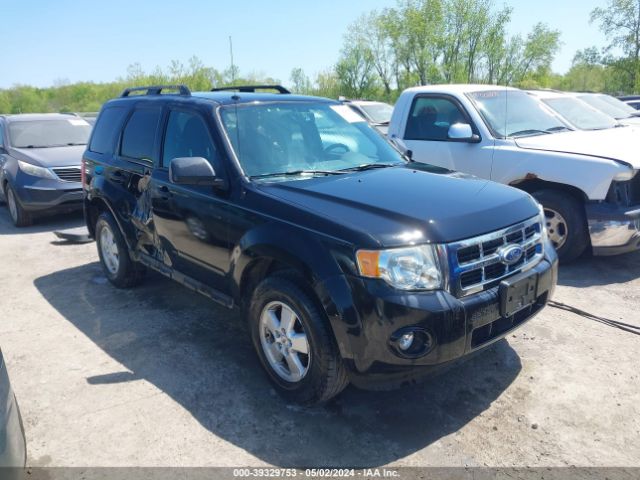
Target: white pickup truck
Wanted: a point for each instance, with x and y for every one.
(587, 181)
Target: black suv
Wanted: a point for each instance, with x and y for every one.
(349, 261)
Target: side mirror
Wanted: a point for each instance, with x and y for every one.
(194, 171)
(462, 132)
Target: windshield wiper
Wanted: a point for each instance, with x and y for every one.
(294, 173)
(559, 128)
(530, 131)
(367, 166)
(73, 144)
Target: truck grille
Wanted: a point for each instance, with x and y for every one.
(478, 263)
(67, 174)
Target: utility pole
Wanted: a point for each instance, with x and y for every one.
(233, 68)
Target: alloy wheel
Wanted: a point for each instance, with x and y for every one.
(284, 341)
(109, 250)
(13, 207)
(557, 228)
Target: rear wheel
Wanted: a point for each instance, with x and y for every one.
(566, 223)
(294, 342)
(20, 217)
(118, 267)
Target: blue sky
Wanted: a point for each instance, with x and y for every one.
(96, 40)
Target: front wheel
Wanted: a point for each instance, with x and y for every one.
(295, 343)
(566, 223)
(118, 267)
(19, 216)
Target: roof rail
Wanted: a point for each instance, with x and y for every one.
(252, 88)
(157, 90)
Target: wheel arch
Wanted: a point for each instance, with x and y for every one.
(531, 185)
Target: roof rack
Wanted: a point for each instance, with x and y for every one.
(157, 90)
(252, 88)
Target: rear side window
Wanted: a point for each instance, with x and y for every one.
(106, 128)
(139, 135)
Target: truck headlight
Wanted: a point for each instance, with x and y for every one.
(409, 268)
(35, 170)
(624, 175)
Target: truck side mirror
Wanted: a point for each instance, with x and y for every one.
(194, 171)
(462, 132)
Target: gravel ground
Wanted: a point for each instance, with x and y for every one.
(160, 376)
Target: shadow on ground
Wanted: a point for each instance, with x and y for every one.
(589, 270)
(201, 356)
(41, 224)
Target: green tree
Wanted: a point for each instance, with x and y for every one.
(620, 22)
(300, 83)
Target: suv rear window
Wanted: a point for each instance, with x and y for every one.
(107, 125)
(139, 135)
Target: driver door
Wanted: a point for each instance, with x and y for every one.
(427, 135)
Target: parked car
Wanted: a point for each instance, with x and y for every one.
(574, 112)
(13, 449)
(40, 158)
(631, 100)
(611, 106)
(378, 114)
(350, 264)
(586, 181)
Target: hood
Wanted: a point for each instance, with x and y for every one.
(613, 143)
(51, 157)
(415, 203)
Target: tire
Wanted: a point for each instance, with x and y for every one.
(19, 216)
(325, 375)
(566, 219)
(117, 266)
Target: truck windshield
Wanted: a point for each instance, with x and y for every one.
(291, 138)
(580, 114)
(49, 133)
(378, 112)
(513, 113)
(614, 110)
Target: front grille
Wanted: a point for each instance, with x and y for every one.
(67, 174)
(476, 263)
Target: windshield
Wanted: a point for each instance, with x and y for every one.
(378, 112)
(598, 101)
(285, 137)
(580, 114)
(49, 133)
(513, 113)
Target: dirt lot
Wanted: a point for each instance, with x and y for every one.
(161, 376)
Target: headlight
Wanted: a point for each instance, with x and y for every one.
(543, 225)
(410, 268)
(624, 175)
(35, 170)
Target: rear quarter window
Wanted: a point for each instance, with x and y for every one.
(139, 135)
(105, 131)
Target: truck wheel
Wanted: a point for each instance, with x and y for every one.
(295, 343)
(114, 255)
(566, 223)
(20, 217)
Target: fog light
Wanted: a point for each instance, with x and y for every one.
(405, 341)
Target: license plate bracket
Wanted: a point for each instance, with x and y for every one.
(518, 292)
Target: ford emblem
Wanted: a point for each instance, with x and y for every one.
(510, 254)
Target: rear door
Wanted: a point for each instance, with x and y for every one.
(190, 220)
(426, 135)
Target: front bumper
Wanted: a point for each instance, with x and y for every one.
(457, 326)
(613, 229)
(39, 194)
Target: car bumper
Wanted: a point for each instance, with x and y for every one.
(613, 229)
(456, 327)
(39, 194)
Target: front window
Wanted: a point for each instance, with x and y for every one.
(304, 138)
(378, 112)
(49, 133)
(513, 113)
(599, 102)
(580, 114)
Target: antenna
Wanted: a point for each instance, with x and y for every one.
(233, 68)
